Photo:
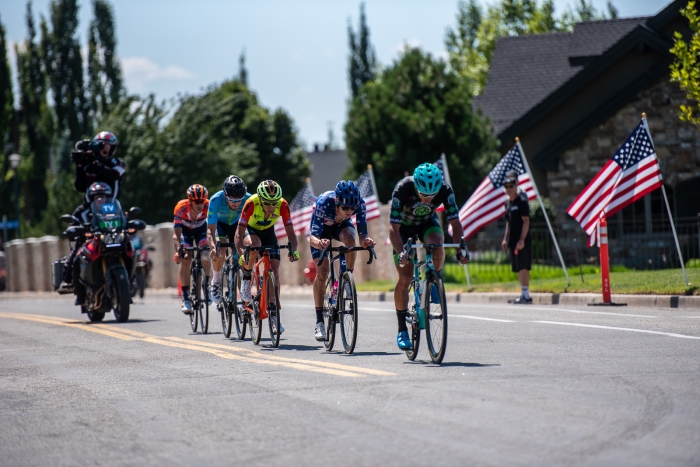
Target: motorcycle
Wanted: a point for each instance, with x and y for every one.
(106, 257)
(144, 266)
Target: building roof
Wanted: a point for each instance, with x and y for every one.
(327, 168)
(526, 69)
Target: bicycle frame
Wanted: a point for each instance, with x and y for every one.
(263, 260)
(340, 257)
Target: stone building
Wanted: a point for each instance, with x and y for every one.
(573, 98)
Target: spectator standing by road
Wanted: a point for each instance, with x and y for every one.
(517, 239)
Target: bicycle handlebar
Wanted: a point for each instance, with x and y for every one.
(431, 246)
(347, 249)
(191, 248)
(265, 249)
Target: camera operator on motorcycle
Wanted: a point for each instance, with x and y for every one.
(94, 162)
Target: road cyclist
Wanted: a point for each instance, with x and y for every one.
(413, 216)
(332, 221)
(190, 229)
(222, 222)
(256, 229)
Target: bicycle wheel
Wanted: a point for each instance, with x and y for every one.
(435, 319)
(255, 323)
(273, 310)
(329, 313)
(412, 322)
(204, 307)
(194, 298)
(241, 317)
(347, 311)
(228, 302)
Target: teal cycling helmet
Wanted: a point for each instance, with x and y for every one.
(427, 179)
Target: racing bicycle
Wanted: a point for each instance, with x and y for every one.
(199, 283)
(230, 285)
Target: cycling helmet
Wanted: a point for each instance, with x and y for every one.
(197, 193)
(427, 179)
(347, 193)
(98, 188)
(270, 191)
(107, 137)
(234, 187)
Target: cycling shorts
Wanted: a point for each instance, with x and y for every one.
(190, 237)
(418, 232)
(332, 232)
(226, 231)
(267, 238)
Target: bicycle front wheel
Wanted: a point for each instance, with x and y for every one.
(435, 318)
(273, 310)
(347, 311)
(194, 299)
(255, 323)
(204, 307)
(329, 317)
(228, 300)
(241, 317)
(412, 322)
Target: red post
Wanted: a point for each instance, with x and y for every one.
(604, 259)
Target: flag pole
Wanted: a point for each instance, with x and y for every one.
(668, 209)
(449, 182)
(544, 211)
(376, 193)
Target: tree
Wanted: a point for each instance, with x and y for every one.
(685, 69)
(36, 123)
(417, 110)
(104, 73)
(6, 120)
(362, 59)
(471, 44)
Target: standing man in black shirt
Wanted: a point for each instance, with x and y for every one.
(518, 239)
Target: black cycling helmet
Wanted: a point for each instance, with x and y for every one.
(107, 137)
(98, 188)
(234, 187)
(347, 193)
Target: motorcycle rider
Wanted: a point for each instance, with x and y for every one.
(94, 162)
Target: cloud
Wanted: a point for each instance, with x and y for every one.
(139, 71)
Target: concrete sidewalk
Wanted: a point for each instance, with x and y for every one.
(571, 299)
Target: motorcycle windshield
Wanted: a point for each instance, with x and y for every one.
(107, 214)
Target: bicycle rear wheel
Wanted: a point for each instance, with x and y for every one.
(329, 314)
(273, 310)
(204, 307)
(194, 299)
(412, 322)
(255, 323)
(228, 300)
(435, 319)
(347, 311)
(241, 317)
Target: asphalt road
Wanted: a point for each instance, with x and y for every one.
(537, 385)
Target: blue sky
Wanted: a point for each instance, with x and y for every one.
(296, 52)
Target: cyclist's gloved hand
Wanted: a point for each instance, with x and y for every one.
(176, 258)
(463, 253)
(241, 261)
(294, 256)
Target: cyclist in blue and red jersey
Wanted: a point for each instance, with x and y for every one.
(332, 220)
(224, 211)
(190, 229)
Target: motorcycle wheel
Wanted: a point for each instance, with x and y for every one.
(121, 297)
(94, 316)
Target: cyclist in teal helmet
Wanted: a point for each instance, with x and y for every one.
(413, 205)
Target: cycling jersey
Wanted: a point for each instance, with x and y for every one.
(254, 217)
(219, 212)
(408, 209)
(324, 215)
(184, 220)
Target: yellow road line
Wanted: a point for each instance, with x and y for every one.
(222, 351)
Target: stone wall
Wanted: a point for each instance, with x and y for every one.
(677, 144)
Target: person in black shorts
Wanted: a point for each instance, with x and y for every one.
(413, 204)
(517, 239)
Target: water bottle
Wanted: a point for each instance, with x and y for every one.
(419, 306)
(334, 293)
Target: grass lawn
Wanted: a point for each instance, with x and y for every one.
(661, 282)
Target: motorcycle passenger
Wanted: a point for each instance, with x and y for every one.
(413, 205)
(260, 213)
(224, 211)
(190, 228)
(331, 220)
(94, 162)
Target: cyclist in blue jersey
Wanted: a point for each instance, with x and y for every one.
(224, 211)
(331, 220)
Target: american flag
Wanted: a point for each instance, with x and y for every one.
(487, 203)
(632, 173)
(301, 209)
(364, 183)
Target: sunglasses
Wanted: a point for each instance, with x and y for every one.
(426, 195)
(234, 200)
(270, 205)
(509, 185)
(199, 201)
(346, 208)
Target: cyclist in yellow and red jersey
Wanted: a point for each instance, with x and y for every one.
(260, 213)
(190, 229)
